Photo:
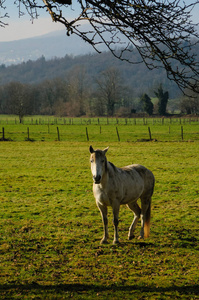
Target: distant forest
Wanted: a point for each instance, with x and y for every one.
(93, 84)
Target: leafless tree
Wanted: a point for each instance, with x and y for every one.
(110, 87)
(162, 32)
(189, 103)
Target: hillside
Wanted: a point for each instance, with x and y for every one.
(138, 77)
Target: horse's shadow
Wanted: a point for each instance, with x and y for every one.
(121, 244)
(40, 290)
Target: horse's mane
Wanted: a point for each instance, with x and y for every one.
(112, 165)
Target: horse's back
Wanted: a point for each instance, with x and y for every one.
(147, 176)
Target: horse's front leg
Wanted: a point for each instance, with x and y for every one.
(103, 211)
(115, 223)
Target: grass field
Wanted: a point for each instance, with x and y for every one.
(50, 227)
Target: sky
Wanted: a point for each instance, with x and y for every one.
(23, 27)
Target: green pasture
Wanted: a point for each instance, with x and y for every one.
(41, 128)
(50, 227)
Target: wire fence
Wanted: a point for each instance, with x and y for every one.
(51, 120)
(133, 131)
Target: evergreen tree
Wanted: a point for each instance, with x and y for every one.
(163, 98)
(148, 105)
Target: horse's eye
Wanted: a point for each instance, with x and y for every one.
(102, 160)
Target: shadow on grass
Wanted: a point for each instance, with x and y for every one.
(38, 289)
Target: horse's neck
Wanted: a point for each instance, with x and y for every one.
(109, 168)
(105, 176)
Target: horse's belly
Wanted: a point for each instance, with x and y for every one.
(131, 191)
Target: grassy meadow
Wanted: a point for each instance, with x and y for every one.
(50, 227)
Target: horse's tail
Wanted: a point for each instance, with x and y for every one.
(147, 220)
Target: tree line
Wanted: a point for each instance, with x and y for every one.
(75, 95)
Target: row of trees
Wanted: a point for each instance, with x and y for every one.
(76, 96)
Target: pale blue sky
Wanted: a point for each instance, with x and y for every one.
(21, 28)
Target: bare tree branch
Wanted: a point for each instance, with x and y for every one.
(162, 32)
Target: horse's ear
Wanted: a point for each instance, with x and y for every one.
(105, 150)
(91, 149)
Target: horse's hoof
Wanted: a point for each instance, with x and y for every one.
(140, 237)
(104, 242)
(115, 242)
(131, 237)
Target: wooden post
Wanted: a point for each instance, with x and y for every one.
(149, 133)
(87, 134)
(28, 133)
(118, 135)
(58, 136)
(3, 134)
(182, 132)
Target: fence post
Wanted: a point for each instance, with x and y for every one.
(28, 133)
(87, 134)
(118, 135)
(3, 134)
(58, 136)
(149, 133)
(182, 132)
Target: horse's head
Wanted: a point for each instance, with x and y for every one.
(98, 163)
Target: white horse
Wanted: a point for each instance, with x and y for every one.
(114, 186)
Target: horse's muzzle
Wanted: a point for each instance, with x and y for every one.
(97, 179)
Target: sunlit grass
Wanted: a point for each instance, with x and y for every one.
(50, 227)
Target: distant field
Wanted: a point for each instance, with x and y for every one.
(50, 227)
(99, 129)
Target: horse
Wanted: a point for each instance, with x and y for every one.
(113, 186)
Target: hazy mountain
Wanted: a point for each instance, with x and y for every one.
(55, 44)
(32, 61)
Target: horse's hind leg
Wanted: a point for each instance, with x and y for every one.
(145, 217)
(115, 223)
(136, 209)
